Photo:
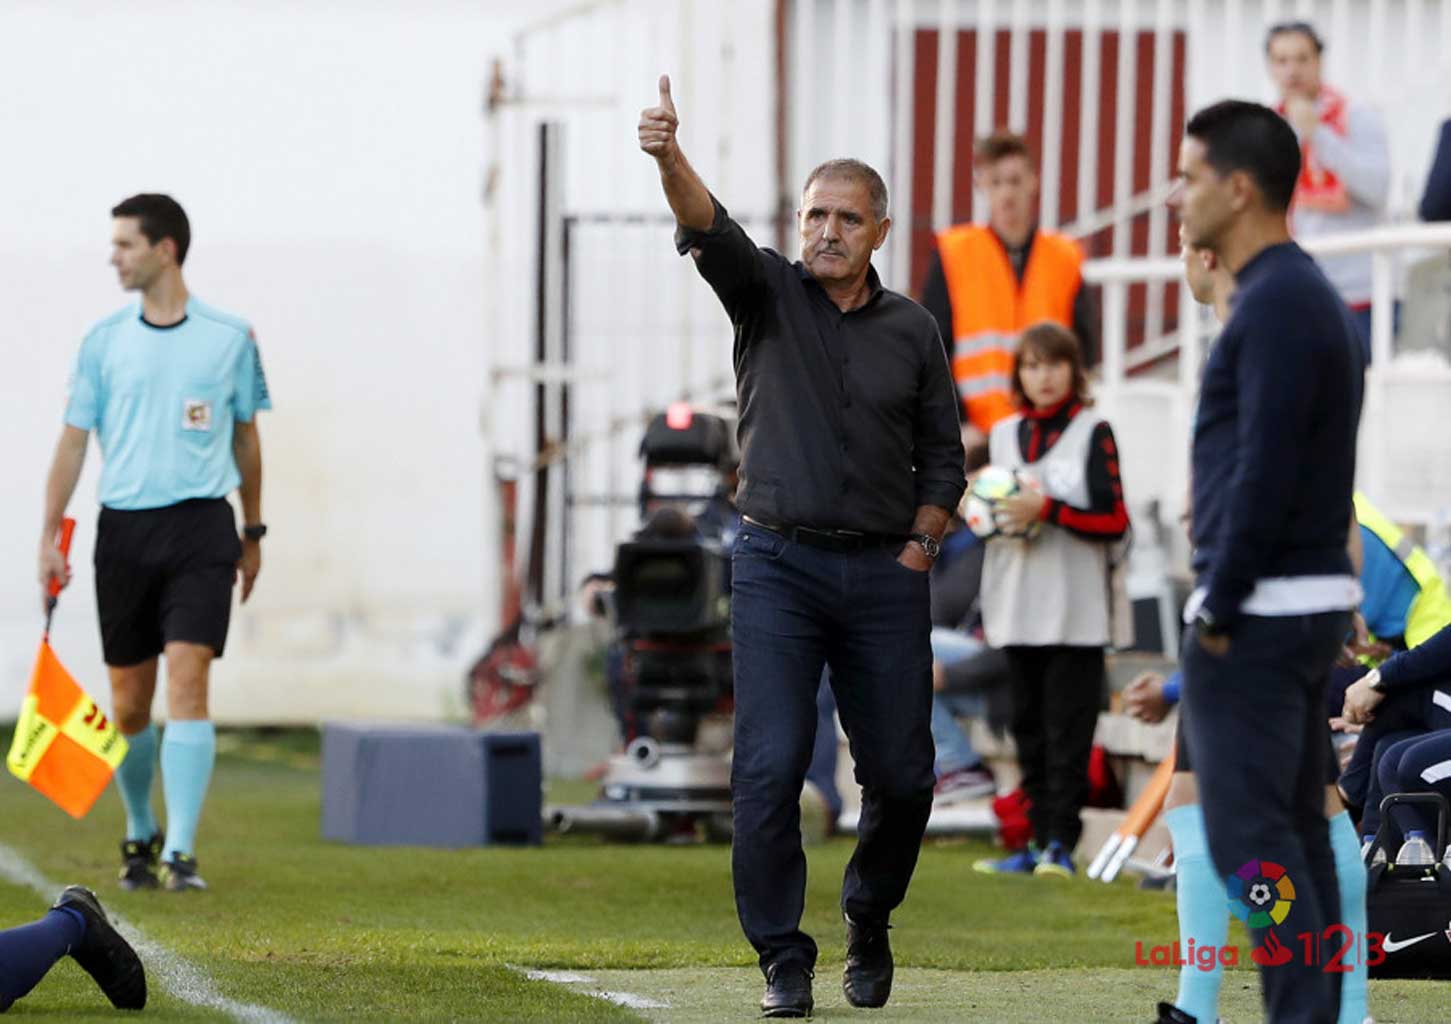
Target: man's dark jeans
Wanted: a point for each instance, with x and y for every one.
(794, 609)
(1256, 728)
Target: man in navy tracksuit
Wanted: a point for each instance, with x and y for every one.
(1273, 467)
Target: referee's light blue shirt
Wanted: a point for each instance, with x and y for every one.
(163, 401)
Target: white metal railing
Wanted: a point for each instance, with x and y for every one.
(1404, 466)
(1222, 56)
(1384, 243)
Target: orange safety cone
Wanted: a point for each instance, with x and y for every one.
(64, 746)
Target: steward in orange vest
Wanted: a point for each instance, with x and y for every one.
(984, 291)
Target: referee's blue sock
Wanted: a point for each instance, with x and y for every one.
(31, 950)
(133, 779)
(1350, 877)
(188, 751)
(1203, 912)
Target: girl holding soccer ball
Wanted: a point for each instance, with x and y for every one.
(1046, 584)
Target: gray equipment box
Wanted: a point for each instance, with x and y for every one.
(425, 785)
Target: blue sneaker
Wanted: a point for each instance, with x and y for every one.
(1024, 862)
(1056, 861)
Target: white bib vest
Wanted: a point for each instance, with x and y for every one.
(1054, 589)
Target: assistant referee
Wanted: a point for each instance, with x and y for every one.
(171, 387)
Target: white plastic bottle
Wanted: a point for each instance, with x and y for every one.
(1415, 851)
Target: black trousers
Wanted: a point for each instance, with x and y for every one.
(794, 609)
(1057, 694)
(1255, 723)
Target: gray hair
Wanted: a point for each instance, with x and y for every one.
(847, 169)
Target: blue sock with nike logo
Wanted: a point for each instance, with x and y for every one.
(31, 950)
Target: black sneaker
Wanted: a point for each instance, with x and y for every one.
(788, 991)
(138, 863)
(867, 980)
(103, 953)
(179, 874)
(1168, 1013)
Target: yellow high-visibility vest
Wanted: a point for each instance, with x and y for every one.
(1430, 612)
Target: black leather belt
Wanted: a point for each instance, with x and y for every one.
(841, 541)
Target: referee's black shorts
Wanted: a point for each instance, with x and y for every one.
(164, 575)
(1182, 764)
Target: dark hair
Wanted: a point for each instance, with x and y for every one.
(847, 169)
(1243, 136)
(999, 146)
(161, 217)
(1052, 343)
(1303, 27)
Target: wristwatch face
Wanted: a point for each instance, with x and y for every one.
(929, 544)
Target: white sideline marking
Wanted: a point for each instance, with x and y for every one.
(631, 1001)
(181, 978)
(626, 999)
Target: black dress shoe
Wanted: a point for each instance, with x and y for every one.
(788, 991)
(867, 980)
(1171, 1014)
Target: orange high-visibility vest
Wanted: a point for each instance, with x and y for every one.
(990, 308)
(63, 746)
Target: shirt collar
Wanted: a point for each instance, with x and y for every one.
(874, 284)
(1027, 242)
(185, 316)
(1064, 410)
(1265, 256)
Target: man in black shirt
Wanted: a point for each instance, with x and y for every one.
(851, 461)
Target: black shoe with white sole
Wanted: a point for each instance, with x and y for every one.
(179, 874)
(138, 863)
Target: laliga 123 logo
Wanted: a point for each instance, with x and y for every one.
(1260, 893)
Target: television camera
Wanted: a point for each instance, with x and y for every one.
(670, 614)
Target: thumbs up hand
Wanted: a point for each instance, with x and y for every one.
(658, 124)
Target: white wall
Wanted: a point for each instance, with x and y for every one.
(330, 156)
(646, 330)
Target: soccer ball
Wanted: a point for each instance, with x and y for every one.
(979, 504)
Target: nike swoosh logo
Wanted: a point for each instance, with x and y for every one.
(1391, 945)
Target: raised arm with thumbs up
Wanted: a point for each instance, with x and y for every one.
(688, 197)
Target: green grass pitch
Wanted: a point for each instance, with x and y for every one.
(319, 931)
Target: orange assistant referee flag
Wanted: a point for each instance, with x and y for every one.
(63, 746)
